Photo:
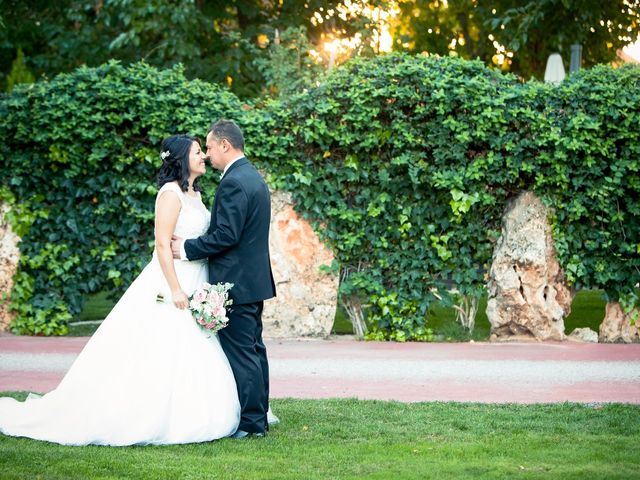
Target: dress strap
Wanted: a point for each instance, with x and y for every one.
(171, 187)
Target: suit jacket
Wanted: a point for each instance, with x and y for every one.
(237, 241)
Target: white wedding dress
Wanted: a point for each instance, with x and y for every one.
(148, 375)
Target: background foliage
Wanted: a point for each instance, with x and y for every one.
(218, 41)
(232, 41)
(588, 169)
(408, 164)
(399, 161)
(517, 35)
(403, 163)
(81, 152)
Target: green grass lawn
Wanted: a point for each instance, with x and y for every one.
(587, 310)
(96, 307)
(320, 439)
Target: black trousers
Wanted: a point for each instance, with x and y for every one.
(242, 342)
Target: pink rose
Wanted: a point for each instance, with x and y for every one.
(213, 297)
(218, 311)
(200, 296)
(208, 310)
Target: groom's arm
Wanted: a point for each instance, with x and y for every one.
(229, 217)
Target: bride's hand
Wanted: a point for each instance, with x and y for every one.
(180, 299)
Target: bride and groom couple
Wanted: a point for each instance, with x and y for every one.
(149, 375)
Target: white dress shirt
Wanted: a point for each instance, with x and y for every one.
(229, 164)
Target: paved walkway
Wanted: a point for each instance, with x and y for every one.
(411, 372)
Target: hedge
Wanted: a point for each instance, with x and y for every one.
(81, 154)
(404, 165)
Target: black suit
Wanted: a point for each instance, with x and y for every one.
(237, 246)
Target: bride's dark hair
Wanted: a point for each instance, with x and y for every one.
(174, 152)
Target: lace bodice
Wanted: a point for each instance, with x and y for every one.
(194, 217)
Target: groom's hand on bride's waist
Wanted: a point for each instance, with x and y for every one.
(177, 248)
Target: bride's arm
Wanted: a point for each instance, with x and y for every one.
(167, 211)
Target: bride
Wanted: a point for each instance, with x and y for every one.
(148, 375)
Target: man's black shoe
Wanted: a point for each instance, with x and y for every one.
(240, 434)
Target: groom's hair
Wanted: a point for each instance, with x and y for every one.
(229, 130)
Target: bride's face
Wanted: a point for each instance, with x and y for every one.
(196, 160)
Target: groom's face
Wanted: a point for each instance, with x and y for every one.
(215, 152)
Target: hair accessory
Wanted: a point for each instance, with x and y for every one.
(165, 154)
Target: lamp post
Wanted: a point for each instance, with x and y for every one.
(576, 58)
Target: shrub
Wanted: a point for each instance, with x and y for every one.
(404, 165)
(82, 155)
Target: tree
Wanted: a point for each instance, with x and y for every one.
(216, 40)
(516, 35)
(19, 72)
(61, 36)
(538, 28)
(439, 27)
(220, 41)
(289, 66)
(234, 41)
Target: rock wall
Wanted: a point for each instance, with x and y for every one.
(528, 295)
(616, 326)
(9, 256)
(306, 298)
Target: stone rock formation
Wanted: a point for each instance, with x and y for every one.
(616, 326)
(583, 335)
(9, 256)
(306, 297)
(528, 294)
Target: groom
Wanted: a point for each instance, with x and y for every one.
(237, 246)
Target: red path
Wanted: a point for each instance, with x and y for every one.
(478, 372)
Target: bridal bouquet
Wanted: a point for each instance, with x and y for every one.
(207, 305)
